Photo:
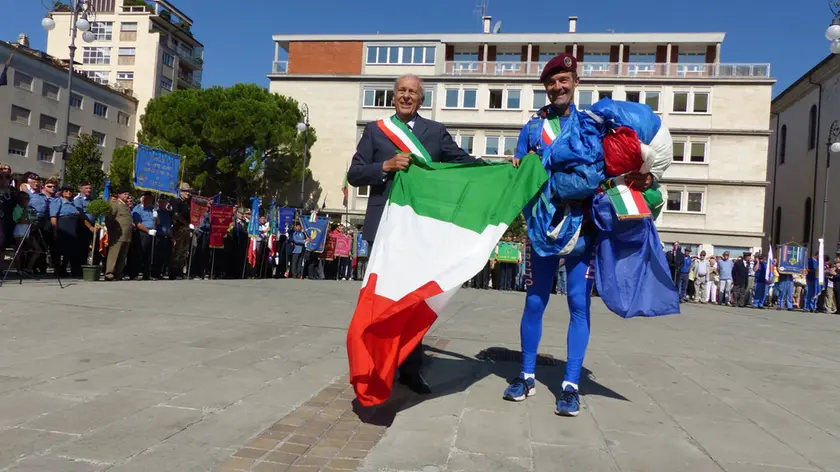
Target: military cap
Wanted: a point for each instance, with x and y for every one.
(560, 63)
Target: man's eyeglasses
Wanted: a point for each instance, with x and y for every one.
(49, 186)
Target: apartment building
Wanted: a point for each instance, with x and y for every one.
(33, 108)
(484, 87)
(805, 120)
(145, 48)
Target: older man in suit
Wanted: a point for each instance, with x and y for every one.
(376, 161)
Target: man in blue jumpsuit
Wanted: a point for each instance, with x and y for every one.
(812, 287)
(575, 188)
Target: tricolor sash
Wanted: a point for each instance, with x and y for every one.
(401, 135)
(627, 202)
(550, 129)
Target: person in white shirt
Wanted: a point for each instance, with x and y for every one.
(712, 281)
(701, 274)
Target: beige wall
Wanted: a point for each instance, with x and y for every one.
(38, 104)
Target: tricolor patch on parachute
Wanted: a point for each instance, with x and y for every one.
(437, 231)
(627, 202)
(401, 135)
(550, 130)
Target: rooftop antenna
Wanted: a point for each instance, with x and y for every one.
(497, 27)
(481, 9)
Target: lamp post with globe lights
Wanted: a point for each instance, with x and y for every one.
(82, 12)
(833, 31)
(303, 127)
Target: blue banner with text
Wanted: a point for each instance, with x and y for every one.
(156, 170)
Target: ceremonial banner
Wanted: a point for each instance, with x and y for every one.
(221, 217)
(198, 207)
(329, 248)
(286, 220)
(507, 252)
(316, 231)
(792, 259)
(156, 170)
(362, 249)
(438, 227)
(343, 243)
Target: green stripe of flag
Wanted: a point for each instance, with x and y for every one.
(617, 201)
(472, 196)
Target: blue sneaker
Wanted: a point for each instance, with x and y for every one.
(569, 402)
(520, 389)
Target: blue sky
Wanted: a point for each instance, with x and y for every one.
(237, 35)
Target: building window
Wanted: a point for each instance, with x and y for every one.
(98, 76)
(75, 130)
(76, 100)
(461, 98)
(496, 98)
(23, 81)
(500, 146)
(18, 147)
(100, 109)
(50, 91)
(45, 154)
(48, 123)
(690, 150)
(465, 141)
(806, 224)
(20, 115)
(123, 118)
(363, 191)
(686, 200)
(510, 98)
(378, 98)
(125, 75)
(782, 144)
(597, 57)
(513, 101)
(812, 128)
(585, 99)
(604, 94)
(540, 99)
(102, 30)
(168, 59)
(128, 51)
(692, 58)
(691, 102)
(165, 84)
(648, 97)
(128, 26)
(777, 227)
(100, 138)
(643, 57)
(428, 98)
(120, 142)
(99, 55)
(406, 55)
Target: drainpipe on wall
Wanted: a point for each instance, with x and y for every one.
(775, 173)
(816, 164)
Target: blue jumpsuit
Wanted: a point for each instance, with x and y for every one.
(785, 292)
(812, 285)
(579, 278)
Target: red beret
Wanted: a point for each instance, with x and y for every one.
(560, 63)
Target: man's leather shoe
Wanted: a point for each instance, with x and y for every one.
(416, 383)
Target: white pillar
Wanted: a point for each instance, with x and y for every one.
(527, 60)
(668, 60)
(574, 50)
(276, 51)
(717, 53)
(484, 63)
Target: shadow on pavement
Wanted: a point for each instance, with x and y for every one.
(456, 372)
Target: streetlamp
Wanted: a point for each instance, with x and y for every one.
(81, 10)
(303, 127)
(831, 146)
(833, 32)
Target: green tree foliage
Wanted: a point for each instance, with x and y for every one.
(85, 163)
(121, 172)
(518, 229)
(239, 140)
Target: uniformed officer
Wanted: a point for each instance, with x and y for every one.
(163, 237)
(82, 199)
(66, 220)
(39, 203)
(143, 216)
(119, 236)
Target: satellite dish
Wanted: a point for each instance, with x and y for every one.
(497, 27)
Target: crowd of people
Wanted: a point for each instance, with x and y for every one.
(746, 281)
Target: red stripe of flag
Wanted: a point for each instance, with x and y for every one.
(641, 204)
(392, 137)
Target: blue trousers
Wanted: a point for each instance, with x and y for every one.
(760, 294)
(811, 295)
(579, 289)
(683, 285)
(785, 288)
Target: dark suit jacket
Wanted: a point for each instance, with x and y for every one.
(740, 273)
(675, 260)
(375, 148)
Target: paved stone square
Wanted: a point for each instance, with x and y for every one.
(251, 375)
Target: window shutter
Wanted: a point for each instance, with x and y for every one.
(569, 49)
(711, 54)
(450, 52)
(535, 52)
(626, 57)
(580, 53)
(661, 52)
(491, 54)
(613, 54)
(675, 54)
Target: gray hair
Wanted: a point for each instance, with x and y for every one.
(411, 76)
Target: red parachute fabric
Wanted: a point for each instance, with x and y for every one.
(622, 151)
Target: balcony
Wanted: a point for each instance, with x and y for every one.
(612, 70)
(192, 59)
(189, 80)
(280, 67)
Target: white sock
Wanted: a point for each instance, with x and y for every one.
(528, 376)
(565, 383)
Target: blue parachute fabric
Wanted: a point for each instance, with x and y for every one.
(636, 116)
(575, 163)
(631, 272)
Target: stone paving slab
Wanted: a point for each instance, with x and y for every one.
(238, 375)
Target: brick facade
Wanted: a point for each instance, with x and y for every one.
(325, 57)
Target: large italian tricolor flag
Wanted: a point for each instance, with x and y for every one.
(437, 230)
